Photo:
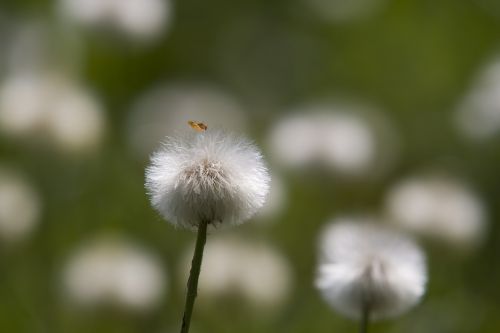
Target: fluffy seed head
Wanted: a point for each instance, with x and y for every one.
(212, 176)
(114, 271)
(441, 208)
(254, 272)
(363, 264)
(20, 206)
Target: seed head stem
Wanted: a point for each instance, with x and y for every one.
(365, 319)
(192, 285)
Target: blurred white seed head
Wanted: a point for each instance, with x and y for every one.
(23, 101)
(114, 272)
(143, 18)
(88, 12)
(478, 115)
(140, 19)
(438, 207)
(159, 112)
(341, 138)
(75, 121)
(212, 176)
(365, 264)
(49, 106)
(253, 271)
(20, 207)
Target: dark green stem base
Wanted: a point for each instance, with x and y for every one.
(192, 285)
(365, 319)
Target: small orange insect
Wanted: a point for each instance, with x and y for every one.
(200, 127)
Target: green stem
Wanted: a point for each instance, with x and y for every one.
(192, 285)
(365, 319)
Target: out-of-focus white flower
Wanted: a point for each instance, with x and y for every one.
(294, 140)
(438, 207)
(75, 120)
(52, 106)
(165, 110)
(19, 206)
(211, 176)
(335, 137)
(136, 18)
(340, 11)
(23, 103)
(143, 18)
(114, 272)
(366, 265)
(253, 271)
(87, 12)
(478, 115)
(349, 143)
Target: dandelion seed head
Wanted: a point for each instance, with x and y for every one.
(116, 272)
(22, 104)
(76, 120)
(139, 19)
(50, 105)
(438, 207)
(256, 272)
(478, 114)
(348, 139)
(20, 206)
(211, 176)
(362, 263)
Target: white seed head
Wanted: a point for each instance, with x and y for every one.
(211, 176)
(20, 207)
(113, 271)
(87, 12)
(348, 139)
(478, 114)
(23, 99)
(143, 18)
(440, 208)
(76, 120)
(46, 105)
(364, 264)
(139, 19)
(256, 272)
(337, 139)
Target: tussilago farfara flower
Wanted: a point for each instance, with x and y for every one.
(49, 105)
(255, 272)
(20, 206)
(210, 176)
(366, 266)
(117, 272)
(207, 179)
(138, 19)
(348, 139)
(478, 114)
(438, 207)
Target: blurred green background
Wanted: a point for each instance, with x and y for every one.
(413, 61)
